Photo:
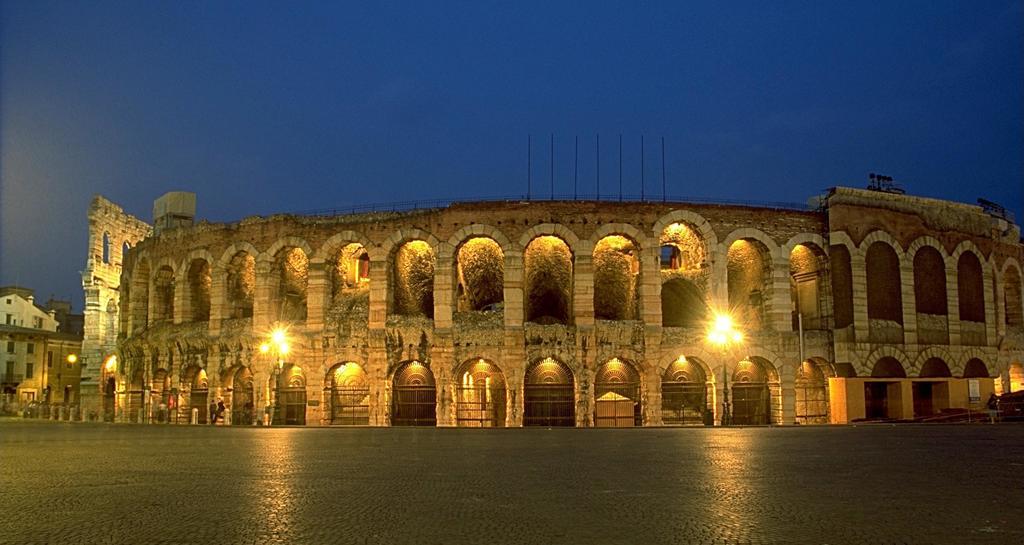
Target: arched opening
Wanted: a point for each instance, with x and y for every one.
(931, 397)
(841, 273)
(684, 394)
(480, 396)
(136, 397)
(749, 277)
(930, 296)
(290, 402)
(414, 396)
(1016, 372)
(140, 295)
(291, 274)
(412, 280)
(549, 397)
(241, 284)
(350, 284)
(124, 252)
(811, 393)
(616, 279)
(885, 296)
(807, 264)
(159, 395)
(105, 256)
(548, 263)
(163, 300)
(971, 287)
(1013, 311)
(195, 393)
(752, 382)
(684, 277)
(241, 394)
(348, 394)
(109, 399)
(617, 395)
(199, 284)
(479, 275)
(975, 368)
(883, 398)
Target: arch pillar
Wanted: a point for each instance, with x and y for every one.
(779, 311)
(583, 290)
(444, 293)
(378, 298)
(218, 297)
(859, 277)
(998, 289)
(650, 396)
(182, 300)
(262, 304)
(317, 293)
(953, 304)
(787, 380)
(991, 338)
(513, 288)
(719, 281)
(650, 286)
(909, 300)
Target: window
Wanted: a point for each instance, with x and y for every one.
(49, 358)
(29, 369)
(10, 347)
(30, 348)
(10, 319)
(8, 301)
(37, 322)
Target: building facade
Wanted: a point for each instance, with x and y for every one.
(40, 361)
(873, 305)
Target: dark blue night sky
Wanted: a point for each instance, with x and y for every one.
(296, 106)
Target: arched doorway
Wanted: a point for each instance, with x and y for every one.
(196, 394)
(109, 399)
(290, 406)
(159, 394)
(931, 397)
(480, 399)
(414, 396)
(751, 396)
(617, 396)
(243, 396)
(883, 398)
(684, 393)
(349, 395)
(811, 394)
(549, 397)
(136, 398)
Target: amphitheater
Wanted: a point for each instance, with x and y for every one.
(868, 305)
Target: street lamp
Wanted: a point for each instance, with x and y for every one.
(278, 343)
(723, 334)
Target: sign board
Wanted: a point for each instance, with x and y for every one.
(313, 402)
(974, 390)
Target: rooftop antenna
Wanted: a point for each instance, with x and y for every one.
(529, 163)
(641, 168)
(552, 166)
(663, 197)
(620, 167)
(597, 157)
(575, 167)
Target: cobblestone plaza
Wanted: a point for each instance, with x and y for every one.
(176, 484)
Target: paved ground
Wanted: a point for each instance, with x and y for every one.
(96, 483)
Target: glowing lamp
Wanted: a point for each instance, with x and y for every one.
(72, 358)
(264, 348)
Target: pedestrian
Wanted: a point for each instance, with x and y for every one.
(220, 409)
(213, 412)
(993, 408)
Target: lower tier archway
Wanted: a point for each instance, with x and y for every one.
(241, 396)
(290, 399)
(549, 395)
(480, 395)
(348, 395)
(617, 395)
(684, 393)
(752, 385)
(414, 396)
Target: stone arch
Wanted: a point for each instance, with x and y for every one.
(888, 367)
(337, 241)
(749, 278)
(1013, 302)
(958, 366)
(556, 230)
(198, 284)
(617, 394)
(884, 281)
(549, 394)
(235, 248)
(289, 281)
(970, 275)
(868, 363)
(480, 230)
(685, 258)
(548, 280)
(480, 394)
(237, 265)
(347, 394)
(808, 280)
(478, 273)
(617, 278)
(686, 216)
(929, 265)
(934, 368)
(756, 392)
(976, 368)
(926, 241)
(164, 284)
(932, 352)
(412, 265)
(841, 276)
(622, 229)
(287, 241)
(414, 395)
(290, 395)
(811, 388)
(687, 390)
(882, 236)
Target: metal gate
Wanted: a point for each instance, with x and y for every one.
(751, 403)
(617, 405)
(683, 403)
(291, 407)
(242, 408)
(480, 407)
(350, 406)
(198, 399)
(549, 405)
(414, 405)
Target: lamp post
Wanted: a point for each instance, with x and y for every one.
(723, 334)
(278, 343)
